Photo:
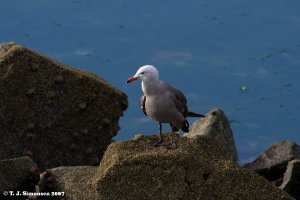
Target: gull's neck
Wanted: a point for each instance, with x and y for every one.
(150, 87)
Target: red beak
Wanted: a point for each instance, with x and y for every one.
(131, 79)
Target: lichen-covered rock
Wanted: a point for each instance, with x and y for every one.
(18, 174)
(196, 169)
(272, 163)
(215, 124)
(291, 179)
(56, 114)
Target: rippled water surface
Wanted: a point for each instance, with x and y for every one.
(241, 56)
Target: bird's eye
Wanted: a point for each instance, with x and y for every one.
(142, 72)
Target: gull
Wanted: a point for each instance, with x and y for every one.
(162, 103)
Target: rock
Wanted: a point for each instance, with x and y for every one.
(56, 114)
(18, 174)
(291, 179)
(216, 125)
(71, 183)
(196, 169)
(272, 163)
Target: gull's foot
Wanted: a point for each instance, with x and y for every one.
(159, 143)
(170, 145)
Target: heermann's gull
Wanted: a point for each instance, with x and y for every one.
(162, 102)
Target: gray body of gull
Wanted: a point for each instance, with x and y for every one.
(162, 102)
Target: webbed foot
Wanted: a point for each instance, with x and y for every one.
(170, 145)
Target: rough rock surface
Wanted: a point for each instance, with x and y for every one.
(18, 174)
(291, 179)
(216, 125)
(194, 170)
(73, 181)
(272, 163)
(56, 114)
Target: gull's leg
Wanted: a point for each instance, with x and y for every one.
(160, 141)
(171, 145)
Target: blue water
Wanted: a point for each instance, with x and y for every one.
(240, 56)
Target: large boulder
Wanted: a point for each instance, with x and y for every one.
(291, 179)
(18, 174)
(54, 113)
(272, 163)
(196, 169)
(215, 124)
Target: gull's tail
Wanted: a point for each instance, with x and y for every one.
(192, 114)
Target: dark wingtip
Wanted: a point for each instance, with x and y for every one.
(185, 126)
(185, 129)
